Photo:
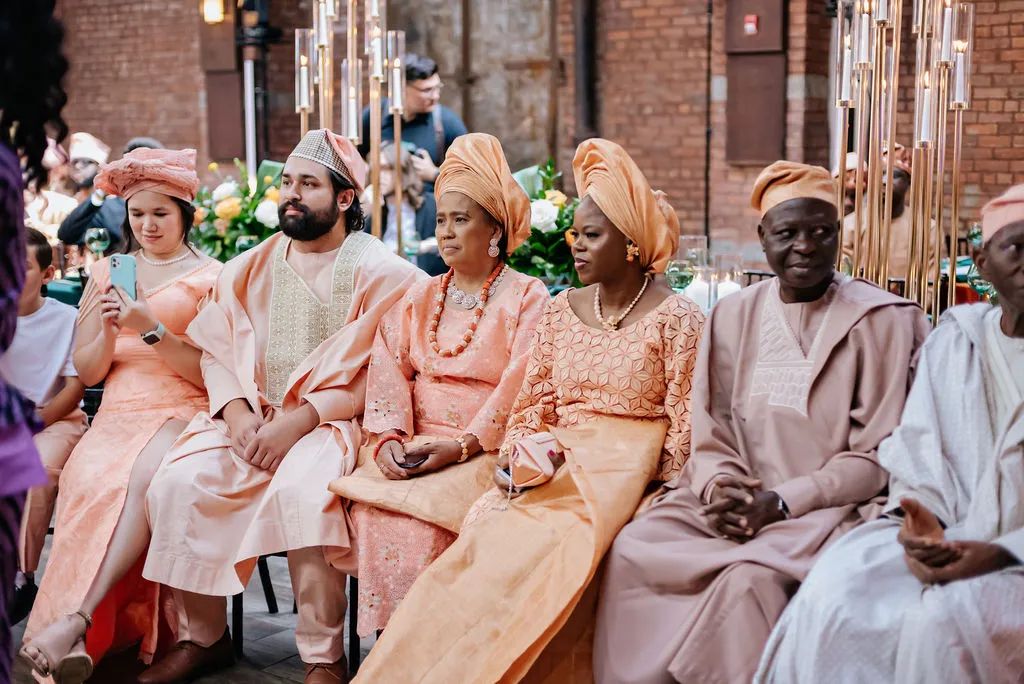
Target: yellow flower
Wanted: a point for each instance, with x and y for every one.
(569, 238)
(555, 197)
(267, 180)
(221, 226)
(271, 194)
(200, 216)
(228, 208)
(213, 166)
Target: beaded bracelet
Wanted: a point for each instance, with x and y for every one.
(461, 441)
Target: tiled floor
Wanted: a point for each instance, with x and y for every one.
(270, 654)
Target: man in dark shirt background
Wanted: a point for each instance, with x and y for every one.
(428, 129)
(96, 209)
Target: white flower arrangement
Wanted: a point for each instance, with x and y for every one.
(543, 215)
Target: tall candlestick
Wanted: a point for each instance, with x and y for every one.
(960, 78)
(926, 112)
(397, 96)
(353, 113)
(323, 25)
(844, 91)
(864, 54)
(946, 52)
(304, 83)
(377, 54)
(882, 11)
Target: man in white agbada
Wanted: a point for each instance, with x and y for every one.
(934, 592)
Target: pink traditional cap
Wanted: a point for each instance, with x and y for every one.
(85, 146)
(169, 172)
(336, 152)
(1002, 211)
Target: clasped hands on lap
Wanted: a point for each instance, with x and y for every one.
(264, 443)
(934, 560)
(397, 461)
(738, 508)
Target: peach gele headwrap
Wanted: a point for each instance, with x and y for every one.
(169, 172)
(475, 166)
(337, 153)
(786, 180)
(1002, 211)
(609, 176)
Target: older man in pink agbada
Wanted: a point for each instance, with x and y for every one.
(286, 339)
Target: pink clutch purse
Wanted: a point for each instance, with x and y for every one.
(533, 459)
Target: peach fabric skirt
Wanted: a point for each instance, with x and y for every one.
(93, 487)
(509, 600)
(394, 549)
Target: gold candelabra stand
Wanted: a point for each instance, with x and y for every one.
(868, 35)
(383, 53)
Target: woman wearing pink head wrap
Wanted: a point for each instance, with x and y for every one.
(446, 366)
(93, 597)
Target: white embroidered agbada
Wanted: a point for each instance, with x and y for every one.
(861, 616)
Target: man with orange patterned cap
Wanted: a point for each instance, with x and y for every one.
(286, 339)
(798, 380)
(933, 591)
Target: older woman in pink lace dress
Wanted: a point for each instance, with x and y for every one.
(446, 366)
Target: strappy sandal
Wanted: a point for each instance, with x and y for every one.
(74, 668)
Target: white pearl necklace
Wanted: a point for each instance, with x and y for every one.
(471, 301)
(166, 262)
(611, 323)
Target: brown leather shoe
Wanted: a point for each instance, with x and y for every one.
(188, 661)
(327, 673)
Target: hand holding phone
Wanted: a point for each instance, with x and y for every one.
(122, 273)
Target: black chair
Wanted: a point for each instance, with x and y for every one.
(237, 613)
(754, 277)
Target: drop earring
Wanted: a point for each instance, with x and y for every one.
(493, 250)
(632, 252)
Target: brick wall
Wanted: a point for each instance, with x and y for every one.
(651, 92)
(135, 70)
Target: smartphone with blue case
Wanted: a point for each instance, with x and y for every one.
(122, 273)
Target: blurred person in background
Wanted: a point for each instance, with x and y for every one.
(32, 69)
(428, 130)
(96, 209)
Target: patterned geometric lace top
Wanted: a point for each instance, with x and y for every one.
(642, 371)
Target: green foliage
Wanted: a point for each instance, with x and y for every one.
(226, 238)
(546, 255)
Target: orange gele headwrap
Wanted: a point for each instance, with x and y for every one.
(475, 166)
(169, 172)
(1002, 211)
(610, 177)
(785, 180)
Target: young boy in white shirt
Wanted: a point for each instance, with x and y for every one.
(40, 363)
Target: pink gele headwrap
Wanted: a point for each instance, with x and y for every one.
(168, 172)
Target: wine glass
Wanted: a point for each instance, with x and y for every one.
(691, 255)
(97, 239)
(245, 242)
